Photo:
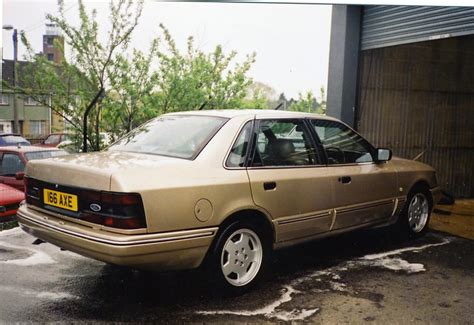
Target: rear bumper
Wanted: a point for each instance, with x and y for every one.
(161, 251)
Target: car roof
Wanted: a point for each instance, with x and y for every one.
(267, 113)
(11, 134)
(22, 149)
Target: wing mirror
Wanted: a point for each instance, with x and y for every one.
(384, 154)
(19, 176)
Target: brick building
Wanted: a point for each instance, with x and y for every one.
(36, 120)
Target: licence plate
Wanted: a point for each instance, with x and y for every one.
(60, 199)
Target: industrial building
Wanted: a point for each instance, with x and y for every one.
(403, 76)
(36, 120)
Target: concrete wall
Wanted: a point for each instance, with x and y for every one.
(343, 62)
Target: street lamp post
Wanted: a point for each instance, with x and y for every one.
(16, 124)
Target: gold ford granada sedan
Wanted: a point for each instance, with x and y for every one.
(222, 189)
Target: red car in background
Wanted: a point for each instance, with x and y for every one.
(10, 199)
(54, 139)
(13, 161)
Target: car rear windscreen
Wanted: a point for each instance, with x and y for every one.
(13, 140)
(52, 139)
(175, 136)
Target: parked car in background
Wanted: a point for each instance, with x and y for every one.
(54, 139)
(10, 139)
(72, 145)
(223, 189)
(10, 199)
(13, 161)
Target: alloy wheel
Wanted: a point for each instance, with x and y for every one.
(241, 257)
(418, 212)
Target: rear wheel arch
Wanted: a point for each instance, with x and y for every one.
(253, 216)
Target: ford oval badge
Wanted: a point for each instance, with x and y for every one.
(95, 207)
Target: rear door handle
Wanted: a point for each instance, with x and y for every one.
(345, 179)
(268, 186)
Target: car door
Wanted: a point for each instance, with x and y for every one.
(10, 164)
(289, 180)
(364, 190)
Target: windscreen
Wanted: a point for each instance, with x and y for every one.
(175, 136)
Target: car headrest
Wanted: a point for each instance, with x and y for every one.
(281, 148)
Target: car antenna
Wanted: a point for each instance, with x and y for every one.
(278, 106)
(419, 155)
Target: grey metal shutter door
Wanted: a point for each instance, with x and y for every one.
(384, 26)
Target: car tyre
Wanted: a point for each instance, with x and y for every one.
(240, 257)
(416, 213)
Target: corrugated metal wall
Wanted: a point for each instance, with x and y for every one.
(420, 97)
(394, 25)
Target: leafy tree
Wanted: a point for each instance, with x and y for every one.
(78, 86)
(102, 88)
(260, 96)
(308, 103)
(127, 104)
(256, 100)
(94, 58)
(305, 103)
(192, 80)
(59, 87)
(322, 100)
(197, 80)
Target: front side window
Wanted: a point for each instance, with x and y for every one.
(11, 164)
(342, 145)
(180, 136)
(283, 143)
(238, 153)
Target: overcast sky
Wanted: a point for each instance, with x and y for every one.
(291, 41)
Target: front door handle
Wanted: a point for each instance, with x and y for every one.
(268, 186)
(345, 179)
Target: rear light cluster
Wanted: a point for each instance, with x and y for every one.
(117, 210)
(32, 191)
(111, 209)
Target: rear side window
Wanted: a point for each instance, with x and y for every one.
(283, 143)
(238, 154)
(11, 164)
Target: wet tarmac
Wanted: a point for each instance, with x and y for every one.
(367, 276)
